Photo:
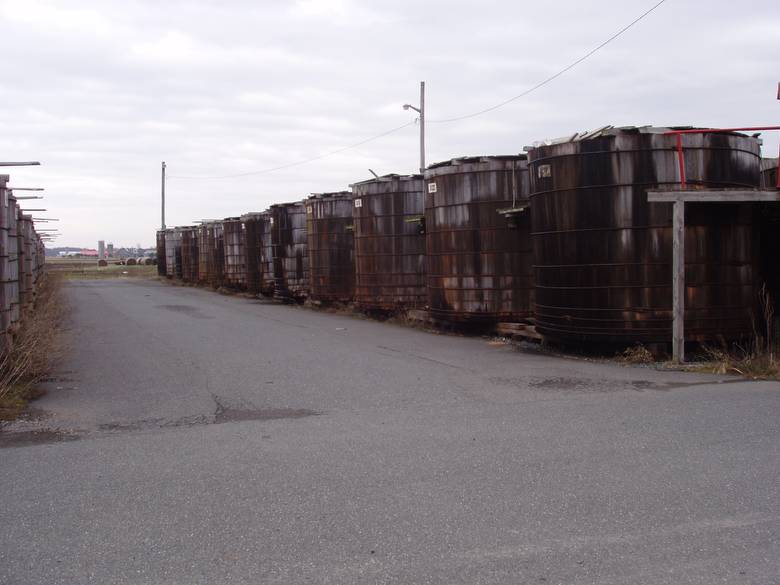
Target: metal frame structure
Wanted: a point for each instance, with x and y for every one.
(678, 198)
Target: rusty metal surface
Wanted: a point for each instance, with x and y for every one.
(603, 254)
(211, 254)
(479, 261)
(769, 173)
(389, 243)
(205, 259)
(161, 258)
(290, 255)
(189, 254)
(25, 247)
(12, 283)
(331, 245)
(22, 257)
(253, 233)
(216, 238)
(5, 268)
(235, 253)
(264, 235)
(172, 241)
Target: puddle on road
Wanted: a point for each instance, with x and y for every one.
(39, 437)
(589, 385)
(188, 310)
(574, 384)
(235, 415)
(24, 436)
(241, 411)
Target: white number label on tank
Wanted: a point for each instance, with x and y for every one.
(431, 187)
(358, 203)
(545, 171)
(309, 210)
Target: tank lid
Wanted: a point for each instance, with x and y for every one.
(282, 205)
(334, 195)
(388, 178)
(462, 160)
(253, 215)
(615, 131)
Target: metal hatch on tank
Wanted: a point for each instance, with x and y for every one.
(603, 254)
(478, 240)
(390, 265)
(331, 245)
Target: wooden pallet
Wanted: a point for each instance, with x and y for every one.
(520, 331)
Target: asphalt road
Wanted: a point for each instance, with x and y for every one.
(194, 438)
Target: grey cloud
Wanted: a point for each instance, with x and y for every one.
(101, 92)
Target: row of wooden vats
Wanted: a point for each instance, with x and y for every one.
(562, 237)
(22, 257)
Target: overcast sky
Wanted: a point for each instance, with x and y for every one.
(101, 92)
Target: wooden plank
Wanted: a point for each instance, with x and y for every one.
(714, 196)
(678, 282)
(517, 330)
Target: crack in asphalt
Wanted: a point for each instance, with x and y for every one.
(223, 413)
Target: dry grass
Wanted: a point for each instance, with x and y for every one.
(757, 360)
(34, 349)
(637, 354)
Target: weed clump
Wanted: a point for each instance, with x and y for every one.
(637, 354)
(758, 358)
(33, 349)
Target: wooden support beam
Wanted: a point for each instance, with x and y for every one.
(715, 196)
(678, 282)
(678, 198)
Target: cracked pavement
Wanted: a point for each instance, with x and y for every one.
(191, 437)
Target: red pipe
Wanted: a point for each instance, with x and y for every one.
(681, 156)
(706, 130)
(681, 160)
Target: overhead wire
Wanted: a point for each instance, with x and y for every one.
(303, 161)
(541, 84)
(530, 90)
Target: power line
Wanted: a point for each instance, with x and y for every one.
(539, 85)
(552, 77)
(300, 162)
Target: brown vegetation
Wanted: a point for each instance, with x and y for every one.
(759, 358)
(34, 349)
(637, 354)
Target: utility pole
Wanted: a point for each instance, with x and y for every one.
(422, 127)
(421, 111)
(162, 193)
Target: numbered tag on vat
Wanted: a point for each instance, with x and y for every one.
(545, 171)
(431, 187)
(309, 209)
(358, 203)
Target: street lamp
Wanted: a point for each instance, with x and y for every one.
(421, 111)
